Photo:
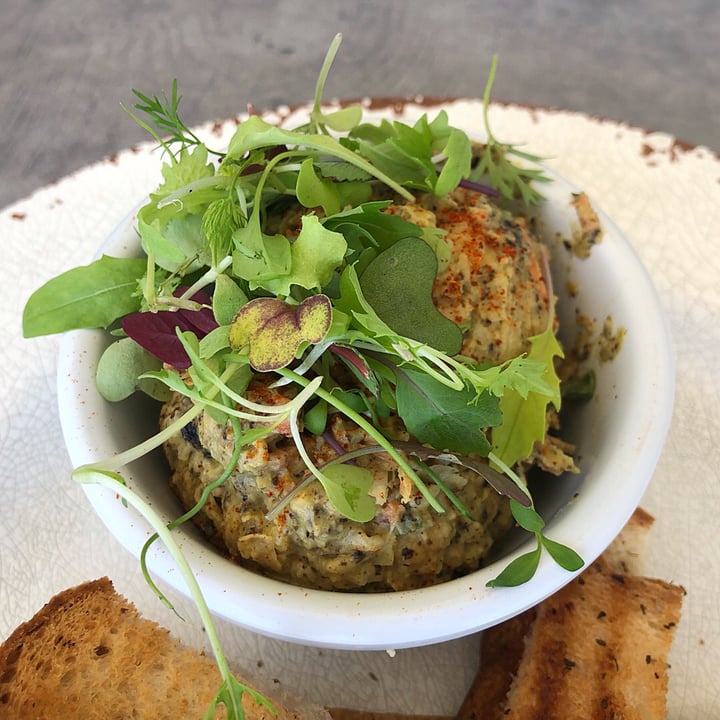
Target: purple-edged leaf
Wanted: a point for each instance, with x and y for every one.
(357, 365)
(352, 358)
(501, 483)
(157, 331)
(273, 330)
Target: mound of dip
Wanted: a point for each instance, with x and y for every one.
(492, 286)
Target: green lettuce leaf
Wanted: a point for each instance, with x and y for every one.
(524, 418)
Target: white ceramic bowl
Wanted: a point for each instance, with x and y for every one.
(619, 434)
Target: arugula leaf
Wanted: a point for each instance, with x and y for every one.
(445, 418)
(366, 226)
(257, 133)
(457, 149)
(91, 296)
(342, 171)
(409, 152)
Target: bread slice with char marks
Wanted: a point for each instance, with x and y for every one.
(595, 650)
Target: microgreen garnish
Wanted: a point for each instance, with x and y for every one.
(398, 284)
(162, 114)
(231, 691)
(94, 295)
(272, 330)
(523, 567)
(511, 180)
(281, 260)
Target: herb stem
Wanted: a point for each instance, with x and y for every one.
(320, 84)
(113, 482)
(209, 277)
(128, 456)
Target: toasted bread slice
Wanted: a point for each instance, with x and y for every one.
(89, 654)
(579, 654)
(502, 648)
(626, 552)
(598, 649)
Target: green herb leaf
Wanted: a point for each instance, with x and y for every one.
(347, 488)
(445, 418)
(342, 120)
(315, 418)
(398, 284)
(409, 152)
(313, 191)
(227, 299)
(272, 330)
(524, 419)
(527, 517)
(163, 114)
(221, 219)
(511, 180)
(564, 556)
(120, 368)
(190, 166)
(341, 171)
(178, 244)
(259, 257)
(214, 342)
(91, 296)
(256, 133)
(580, 387)
(519, 571)
(366, 226)
(314, 255)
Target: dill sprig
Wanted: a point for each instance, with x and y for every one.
(164, 122)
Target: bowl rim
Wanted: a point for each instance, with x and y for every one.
(395, 620)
